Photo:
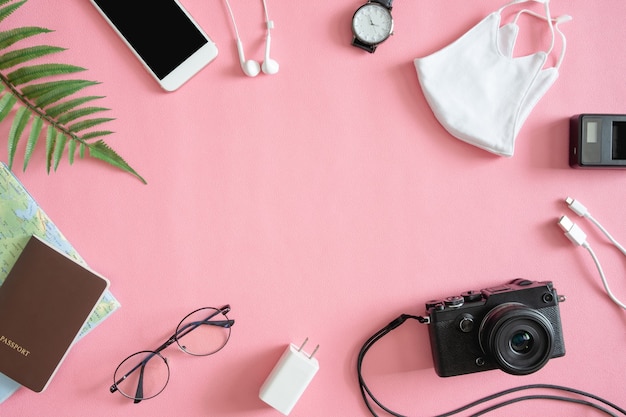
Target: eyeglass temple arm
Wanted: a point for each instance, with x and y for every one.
(186, 329)
(139, 392)
(193, 325)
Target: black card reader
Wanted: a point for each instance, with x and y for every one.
(598, 141)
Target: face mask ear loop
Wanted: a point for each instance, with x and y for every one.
(548, 17)
(545, 2)
(557, 21)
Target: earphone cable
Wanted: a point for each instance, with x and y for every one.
(232, 18)
(270, 23)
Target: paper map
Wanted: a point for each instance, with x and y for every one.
(21, 217)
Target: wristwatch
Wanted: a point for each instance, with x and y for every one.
(372, 24)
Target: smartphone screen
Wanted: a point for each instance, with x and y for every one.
(163, 35)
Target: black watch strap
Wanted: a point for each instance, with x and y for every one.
(384, 3)
(369, 48)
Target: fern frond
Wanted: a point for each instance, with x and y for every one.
(102, 151)
(71, 150)
(9, 37)
(59, 147)
(47, 93)
(68, 105)
(51, 135)
(19, 56)
(8, 10)
(95, 134)
(6, 1)
(7, 102)
(30, 73)
(48, 103)
(35, 132)
(19, 123)
(76, 114)
(86, 124)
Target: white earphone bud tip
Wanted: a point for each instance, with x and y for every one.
(251, 68)
(270, 66)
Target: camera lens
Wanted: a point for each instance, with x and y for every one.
(521, 342)
(519, 338)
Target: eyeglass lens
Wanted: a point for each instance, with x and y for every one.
(203, 332)
(142, 375)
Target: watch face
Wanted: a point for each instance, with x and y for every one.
(372, 23)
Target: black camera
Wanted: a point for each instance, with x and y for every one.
(515, 327)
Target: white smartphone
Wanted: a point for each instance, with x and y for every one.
(163, 35)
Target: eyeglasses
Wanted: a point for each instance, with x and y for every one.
(145, 374)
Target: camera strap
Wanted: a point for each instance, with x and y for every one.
(365, 392)
(598, 403)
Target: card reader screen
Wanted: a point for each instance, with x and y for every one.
(592, 132)
(159, 31)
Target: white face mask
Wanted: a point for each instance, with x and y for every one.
(478, 91)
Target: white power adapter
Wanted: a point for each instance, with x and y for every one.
(291, 375)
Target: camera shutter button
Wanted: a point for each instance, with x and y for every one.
(455, 301)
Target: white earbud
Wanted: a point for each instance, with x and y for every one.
(250, 67)
(269, 65)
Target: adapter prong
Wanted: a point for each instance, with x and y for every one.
(314, 351)
(303, 343)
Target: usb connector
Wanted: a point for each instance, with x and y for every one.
(572, 231)
(576, 206)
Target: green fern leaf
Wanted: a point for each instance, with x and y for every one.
(71, 150)
(29, 73)
(68, 105)
(35, 132)
(6, 105)
(59, 147)
(102, 151)
(19, 56)
(50, 139)
(9, 37)
(86, 124)
(19, 123)
(95, 134)
(73, 115)
(47, 93)
(6, 11)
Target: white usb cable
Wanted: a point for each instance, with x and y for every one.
(579, 238)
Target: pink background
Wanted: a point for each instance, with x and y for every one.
(323, 201)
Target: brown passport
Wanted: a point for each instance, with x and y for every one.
(44, 303)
